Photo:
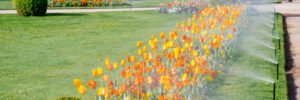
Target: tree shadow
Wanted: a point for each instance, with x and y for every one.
(64, 14)
(289, 63)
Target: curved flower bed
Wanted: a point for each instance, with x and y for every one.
(86, 3)
(183, 7)
(175, 66)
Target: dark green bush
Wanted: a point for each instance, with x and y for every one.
(31, 7)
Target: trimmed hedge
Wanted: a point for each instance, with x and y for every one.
(31, 7)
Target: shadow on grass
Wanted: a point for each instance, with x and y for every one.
(68, 98)
(64, 14)
(289, 63)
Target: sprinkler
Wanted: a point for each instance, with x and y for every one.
(274, 91)
(277, 71)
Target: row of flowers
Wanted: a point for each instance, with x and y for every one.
(175, 66)
(86, 3)
(191, 6)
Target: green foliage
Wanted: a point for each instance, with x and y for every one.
(31, 7)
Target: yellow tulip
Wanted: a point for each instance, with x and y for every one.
(197, 70)
(123, 62)
(205, 47)
(184, 77)
(77, 82)
(195, 53)
(145, 48)
(95, 73)
(82, 90)
(193, 63)
(230, 36)
(106, 61)
(205, 32)
(186, 45)
(100, 71)
(116, 65)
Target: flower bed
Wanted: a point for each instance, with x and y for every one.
(177, 65)
(183, 7)
(87, 3)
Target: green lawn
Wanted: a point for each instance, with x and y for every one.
(40, 56)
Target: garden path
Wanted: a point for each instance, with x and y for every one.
(291, 11)
(82, 10)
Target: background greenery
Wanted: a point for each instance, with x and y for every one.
(7, 4)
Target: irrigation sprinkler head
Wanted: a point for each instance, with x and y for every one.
(274, 90)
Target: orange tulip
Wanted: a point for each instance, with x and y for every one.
(77, 82)
(95, 73)
(139, 44)
(140, 52)
(123, 62)
(109, 67)
(128, 59)
(92, 84)
(105, 77)
(115, 92)
(133, 58)
(82, 90)
(123, 88)
(110, 84)
(162, 35)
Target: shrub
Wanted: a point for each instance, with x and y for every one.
(31, 7)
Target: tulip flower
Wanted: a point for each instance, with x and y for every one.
(230, 36)
(133, 58)
(110, 84)
(116, 65)
(77, 82)
(100, 71)
(105, 77)
(92, 84)
(102, 91)
(109, 67)
(123, 62)
(139, 44)
(145, 48)
(128, 59)
(123, 88)
(95, 73)
(106, 61)
(140, 52)
(106, 95)
(162, 35)
(81, 89)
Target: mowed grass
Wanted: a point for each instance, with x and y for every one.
(249, 74)
(40, 56)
